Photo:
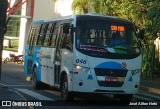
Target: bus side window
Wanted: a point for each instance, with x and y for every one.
(32, 35)
(42, 35)
(51, 34)
(47, 36)
(67, 41)
(36, 34)
(31, 40)
(29, 35)
(54, 35)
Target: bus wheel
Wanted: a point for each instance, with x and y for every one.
(65, 95)
(35, 84)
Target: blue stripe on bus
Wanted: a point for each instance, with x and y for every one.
(38, 22)
(110, 65)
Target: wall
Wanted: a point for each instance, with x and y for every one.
(51, 8)
(43, 9)
(63, 8)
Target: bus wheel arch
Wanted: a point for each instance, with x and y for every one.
(63, 74)
(65, 94)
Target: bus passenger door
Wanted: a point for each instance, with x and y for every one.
(58, 55)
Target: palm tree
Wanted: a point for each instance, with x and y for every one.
(80, 6)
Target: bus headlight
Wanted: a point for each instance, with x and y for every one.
(134, 72)
(78, 67)
(84, 69)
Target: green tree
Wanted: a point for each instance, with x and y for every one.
(80, 6)
(153, 18)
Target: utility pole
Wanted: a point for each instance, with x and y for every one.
(3, 16)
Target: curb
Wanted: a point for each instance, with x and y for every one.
(3, 86)
(149, 89)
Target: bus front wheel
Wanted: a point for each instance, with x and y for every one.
(65, 94)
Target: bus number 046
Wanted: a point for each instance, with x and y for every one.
(82, 61)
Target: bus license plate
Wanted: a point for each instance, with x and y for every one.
(111, 79)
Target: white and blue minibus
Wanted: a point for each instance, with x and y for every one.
(87, 53)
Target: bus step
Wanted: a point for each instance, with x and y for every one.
(28, 78)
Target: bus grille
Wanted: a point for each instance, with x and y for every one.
(110, 84)
(111, 73)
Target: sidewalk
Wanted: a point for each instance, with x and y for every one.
(150, 86)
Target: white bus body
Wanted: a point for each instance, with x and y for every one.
(89, 68)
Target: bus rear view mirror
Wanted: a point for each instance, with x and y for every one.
(141, 34)
(66, 27)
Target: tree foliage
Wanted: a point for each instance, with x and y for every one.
(143, 13)
(80, 6)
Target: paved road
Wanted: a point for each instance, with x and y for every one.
(13, 77)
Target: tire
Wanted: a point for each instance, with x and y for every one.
(65, 95)
(35, 83)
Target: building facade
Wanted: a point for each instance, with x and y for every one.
(36, 10)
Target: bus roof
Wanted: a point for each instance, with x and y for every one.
(88, 16)
(95, 16)
(37, 21)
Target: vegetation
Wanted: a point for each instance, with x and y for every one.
(13, 28)
(13, 25)
(11, 49)
(13, 45)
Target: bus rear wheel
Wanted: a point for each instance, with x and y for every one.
(65, 94)
(35, 83)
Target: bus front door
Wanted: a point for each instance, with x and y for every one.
(58, 56)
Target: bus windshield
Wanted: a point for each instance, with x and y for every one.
(111, 37)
